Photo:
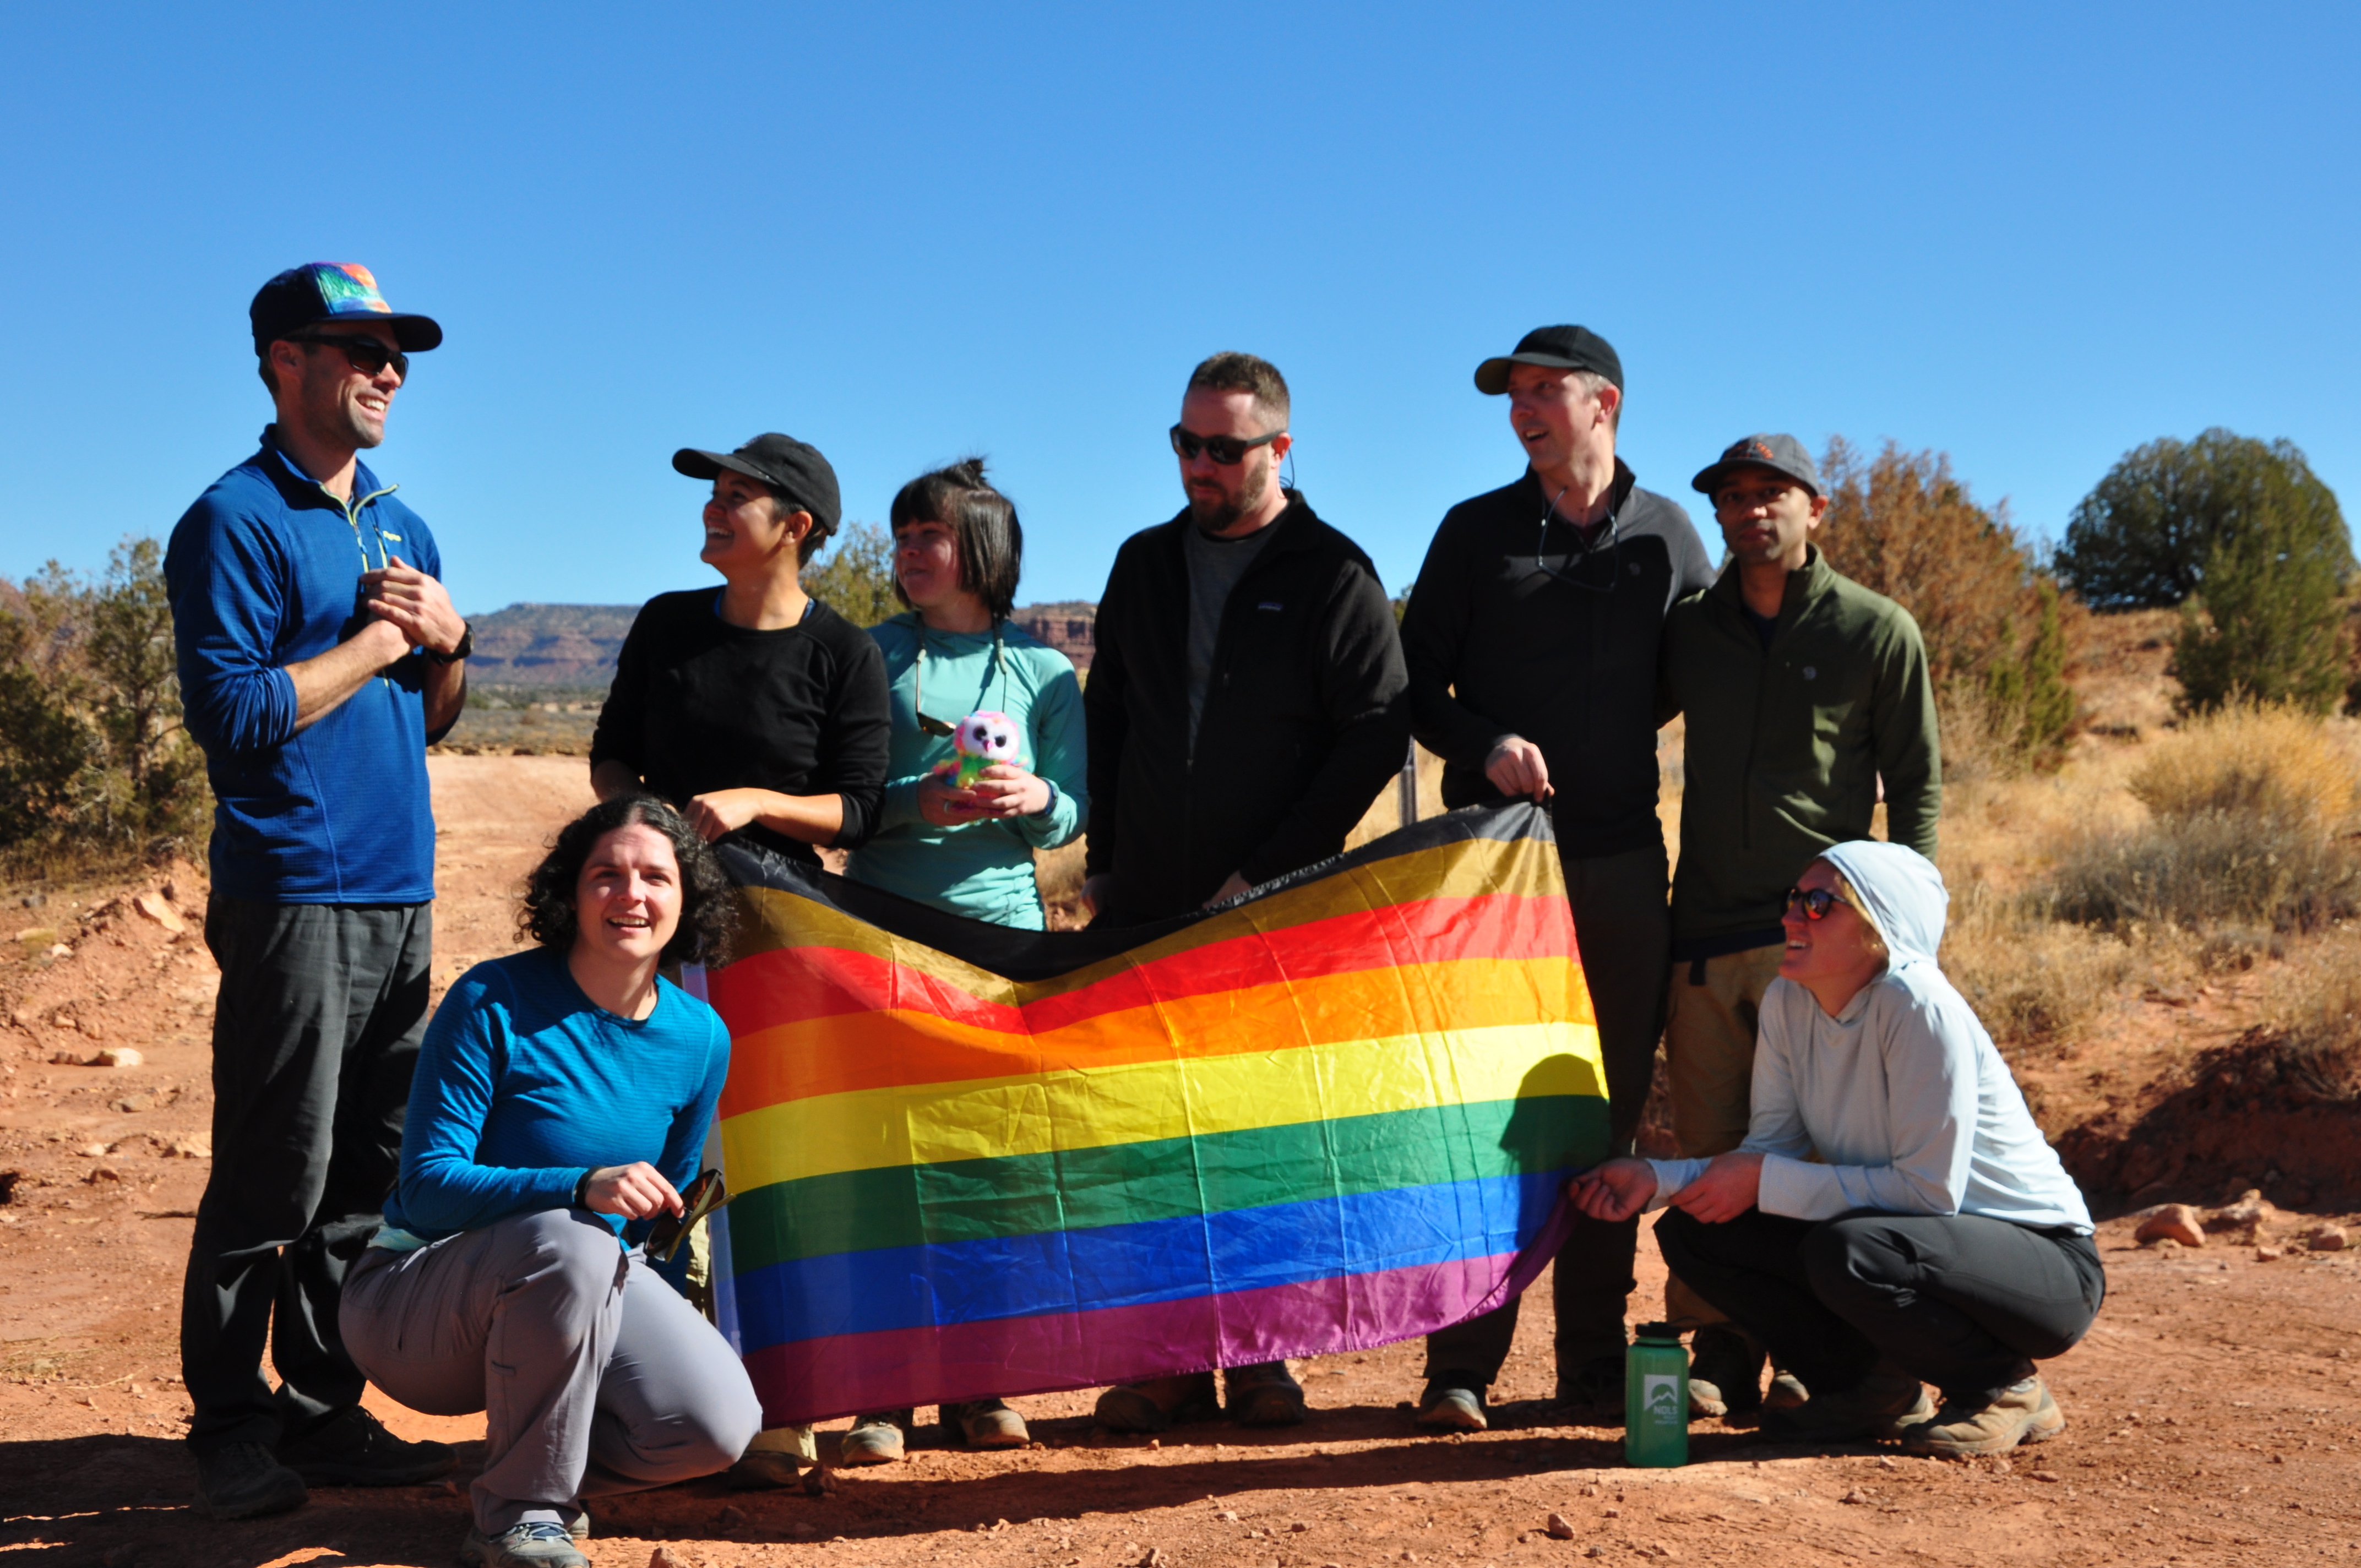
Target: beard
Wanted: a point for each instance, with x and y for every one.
(1214, 515)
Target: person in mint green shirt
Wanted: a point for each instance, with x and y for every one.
(957, 550)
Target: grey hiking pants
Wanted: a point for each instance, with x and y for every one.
(596, 1376)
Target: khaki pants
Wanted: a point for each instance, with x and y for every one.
(1712, 1010)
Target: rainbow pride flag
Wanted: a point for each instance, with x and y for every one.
(1337, 1112)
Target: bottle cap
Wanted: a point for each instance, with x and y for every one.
(1658, 1333)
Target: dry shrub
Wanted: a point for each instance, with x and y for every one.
(2275, 762)
(2246, 813)
(2034, 980)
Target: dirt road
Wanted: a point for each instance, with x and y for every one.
(2213, 1410)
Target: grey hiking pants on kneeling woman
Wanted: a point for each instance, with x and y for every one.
(595, 1375)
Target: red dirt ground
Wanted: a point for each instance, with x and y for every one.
(2211, 1410)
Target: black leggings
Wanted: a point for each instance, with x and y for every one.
(1961, 1301)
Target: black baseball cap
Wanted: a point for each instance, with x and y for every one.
(1779, 453)
(795, 469)
(332, 291)
(1559, 348)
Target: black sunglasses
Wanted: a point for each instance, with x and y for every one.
(1226, 450)
(1816, 903)
(367, 355)
(705, 1194)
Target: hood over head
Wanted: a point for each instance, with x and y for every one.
(1904, 893)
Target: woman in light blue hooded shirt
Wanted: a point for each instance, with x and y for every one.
(1895, 1217)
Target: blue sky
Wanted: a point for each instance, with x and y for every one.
(2032, 236)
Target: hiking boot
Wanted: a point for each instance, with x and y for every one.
(1264, 1395)
(1787, 1392)
(541, 1544)
(1156, 1404)
(351, 1448)
(1725, 1372)
(1879, 1406)
(1596, 1391)
(763, 1470)
(2022, 1412)
(1454, 1402)
(241, 1480)
(875, 1438)
(985, 1423)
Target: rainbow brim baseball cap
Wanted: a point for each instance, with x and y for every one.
(333, 291)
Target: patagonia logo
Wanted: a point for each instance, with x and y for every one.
(1270, 604)
(1811, 674)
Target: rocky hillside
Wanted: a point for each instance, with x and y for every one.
(574, 645)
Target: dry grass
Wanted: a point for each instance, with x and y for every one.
(2268, 762)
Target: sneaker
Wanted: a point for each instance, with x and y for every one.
(1725, 1372)
(2023, 1412)
(1156, 1404)
(1595, 1390)
(1264, 1395)
(351, 1448)
(985, 1423)
(1787, 1391)
(241, 1480)
(1454, 1402)
(537, 1545)
(875, 1439)
(1879, 1407)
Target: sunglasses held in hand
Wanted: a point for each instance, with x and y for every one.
(705, 1194)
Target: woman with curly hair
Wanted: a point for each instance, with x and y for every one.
(560, 1104)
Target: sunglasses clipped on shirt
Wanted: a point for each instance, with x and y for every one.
(1816, 903)
(367, 355)
(1226, 450)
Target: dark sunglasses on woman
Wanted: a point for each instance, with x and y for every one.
(1816, 903)
(1226, 450)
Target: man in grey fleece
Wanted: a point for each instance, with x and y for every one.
(1531, 644)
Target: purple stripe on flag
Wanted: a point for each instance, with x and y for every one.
(843, 1375)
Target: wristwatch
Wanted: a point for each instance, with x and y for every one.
(467, 646)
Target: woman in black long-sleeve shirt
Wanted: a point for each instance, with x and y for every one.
(756, 710)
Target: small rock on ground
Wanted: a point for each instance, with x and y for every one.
(2327, 1238)
(2172, 1223)
(1559, 1529)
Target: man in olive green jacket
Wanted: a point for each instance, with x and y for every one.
(1802, 691)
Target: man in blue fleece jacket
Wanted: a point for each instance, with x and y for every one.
(318, 656)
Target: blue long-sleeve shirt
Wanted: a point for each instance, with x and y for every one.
(264, 572)
(524, 1084)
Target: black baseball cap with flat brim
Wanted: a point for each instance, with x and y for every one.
(1558, 348)
(1779, 453)
(318, 291)
(793, 468)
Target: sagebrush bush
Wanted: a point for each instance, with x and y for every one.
(2317, 1003)
(2207, 870)
(2033, 979)
(2271, 761)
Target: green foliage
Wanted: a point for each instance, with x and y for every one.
(2266, 624)
(2029, 694)
(855, 578)
(2145, 537)
(91, 748)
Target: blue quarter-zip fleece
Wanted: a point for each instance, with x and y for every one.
(264, 572)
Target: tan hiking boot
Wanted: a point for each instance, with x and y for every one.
(1879, 1406)
(2023, 1412)
(1264, 1395)
(1158, 1404)
(985, 1423)
(875, 1438)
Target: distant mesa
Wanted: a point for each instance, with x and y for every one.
(574, 645)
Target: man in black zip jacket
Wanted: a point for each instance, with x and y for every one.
(1246, 703)
(1532, 639)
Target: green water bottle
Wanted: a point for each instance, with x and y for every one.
(1656, 1398)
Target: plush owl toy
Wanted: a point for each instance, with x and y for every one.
(981, 739)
